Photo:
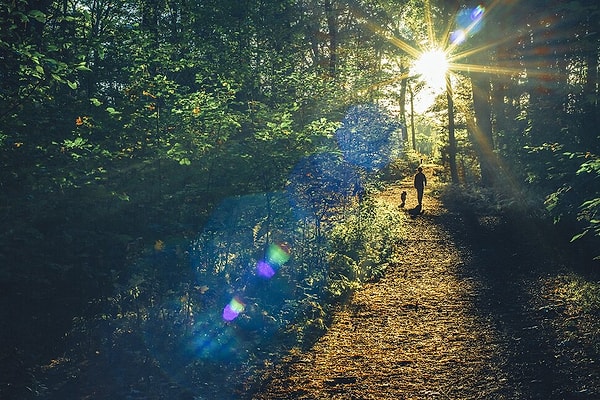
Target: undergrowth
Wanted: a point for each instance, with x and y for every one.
(577, 298)
(169, 305)
(360, 246)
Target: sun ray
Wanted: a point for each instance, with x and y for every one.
(429, 22)
(488, 150)
(484, 68)
(386, 82)
(475, 50)
(378, 30)
(522, 70)
(401, 44)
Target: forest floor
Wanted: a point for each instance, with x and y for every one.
(472, 307)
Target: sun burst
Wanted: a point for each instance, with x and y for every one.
(431, 67)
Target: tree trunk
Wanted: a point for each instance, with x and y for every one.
(482, 129)
(451, 136)
(591, 106)
(333, 37)
(402, 99)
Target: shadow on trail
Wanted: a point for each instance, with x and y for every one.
(416, 211)
(509, 261)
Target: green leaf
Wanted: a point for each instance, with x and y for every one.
(58, 78)
(185, 161)
(95, 102)
(112, 111)
(72, 85)
(22, 17)
(579, 236)
(121, 196)
(37, 15)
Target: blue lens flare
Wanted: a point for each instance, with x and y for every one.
(320, 183)
(477, 13)
(244, 273)
(368, 136)
(469, 21)
(457, 37)
(247, 282)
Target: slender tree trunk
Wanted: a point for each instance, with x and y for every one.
(592, 109)
(402, 100)
(412, 119)
(482, 129)
(333, 36)
(499, 107)
(451, 135)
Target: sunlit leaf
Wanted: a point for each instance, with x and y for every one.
(159, 245)
(201, 289)
(112, 111)
(83, 68)
(579, 236)
(121, 196)
(57, 78)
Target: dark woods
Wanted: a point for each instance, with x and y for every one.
(129, 131)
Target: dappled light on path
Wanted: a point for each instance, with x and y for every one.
(467, 310)
(414, 334)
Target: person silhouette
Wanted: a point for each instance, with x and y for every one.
(420, 183)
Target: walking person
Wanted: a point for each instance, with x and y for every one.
(420, 183)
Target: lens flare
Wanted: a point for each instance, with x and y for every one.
(233, 309)
(477, 13)
(457, 37)
(368, 136)
(320, 183)
(278, 253)
(264, 270)
(468, 22)
(276, 256)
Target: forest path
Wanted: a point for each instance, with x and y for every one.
(453, 318)
(411, 335)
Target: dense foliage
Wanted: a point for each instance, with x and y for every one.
(127, 129)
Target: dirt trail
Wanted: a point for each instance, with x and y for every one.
(436, 327)
(411, 335)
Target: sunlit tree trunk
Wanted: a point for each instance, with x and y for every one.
(451, 135)
(482, 130)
